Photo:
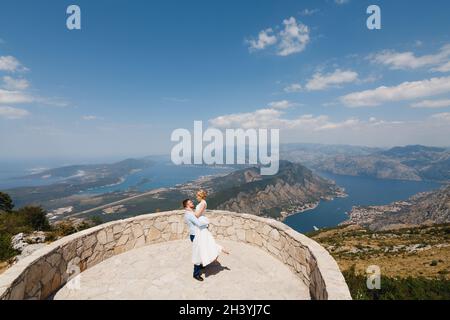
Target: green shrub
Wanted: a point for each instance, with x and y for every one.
(96, 220)
(6, 250)
(398, 289)
(13, 223)
(6, 203)
(68, 227)
(35, 217)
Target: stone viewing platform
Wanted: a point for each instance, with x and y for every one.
(163, 270)
(149, 257)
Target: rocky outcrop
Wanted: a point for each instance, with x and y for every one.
(292, 189)
(27, 244)
(281, 197)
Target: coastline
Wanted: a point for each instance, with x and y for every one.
(311, 205)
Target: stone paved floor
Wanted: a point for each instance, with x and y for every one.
(163, 271)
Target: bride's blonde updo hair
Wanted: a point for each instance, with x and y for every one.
(202, 194)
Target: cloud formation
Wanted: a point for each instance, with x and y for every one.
(295, 87)
(408, 60)
(273, 117)
(12, 113)
(403, 92)
(432, 104)
(323, 81)
(320, 81)
(292, 38)
(10, 64)
(433, 130)
(309, 12)
(443, 68)
(15, 84)
(90, 118)
(14, 97)
(265, 38)
(283, 104)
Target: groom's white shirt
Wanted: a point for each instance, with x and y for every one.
(193, 221)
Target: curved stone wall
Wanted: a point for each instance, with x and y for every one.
(41, 274)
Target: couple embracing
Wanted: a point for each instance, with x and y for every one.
(205, 250)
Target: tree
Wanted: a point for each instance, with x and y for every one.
(6, 203)
(6, 250)
(36, 217)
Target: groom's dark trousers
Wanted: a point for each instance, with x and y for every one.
(197, 268)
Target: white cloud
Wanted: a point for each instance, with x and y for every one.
(309, 12)
(283, 104)
(408, 60)
(432, 104)
(443, 68)
(15, 84)
(441, 117)
(12, 113)
(341, 2)
(90, 118)
(323, 81)
(18, 97)
(292, 38)
(10, 64)
(262, 118)
(14, 97)
(433, 130)
(265, 38)
(295, 87)
(405, 91)
(52, 101)
(273, 118)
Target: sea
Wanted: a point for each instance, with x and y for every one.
(361, 191)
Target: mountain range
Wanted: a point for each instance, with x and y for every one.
(293, 189)
(414, 162)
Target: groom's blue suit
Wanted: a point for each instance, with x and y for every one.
(193, 222)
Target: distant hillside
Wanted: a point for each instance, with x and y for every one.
(401, 163)
(422, 209)
(294, 189)
(415, 151)
(310, 155)
(75, 179)
(92, 171)
(289, 191)
(414, 262)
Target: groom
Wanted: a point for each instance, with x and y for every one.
(193, 222)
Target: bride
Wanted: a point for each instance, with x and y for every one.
(205, 249)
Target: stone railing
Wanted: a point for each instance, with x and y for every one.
(41, 274)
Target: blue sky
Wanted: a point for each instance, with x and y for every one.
(139, 69)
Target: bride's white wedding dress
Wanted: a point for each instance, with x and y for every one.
(205, 249)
